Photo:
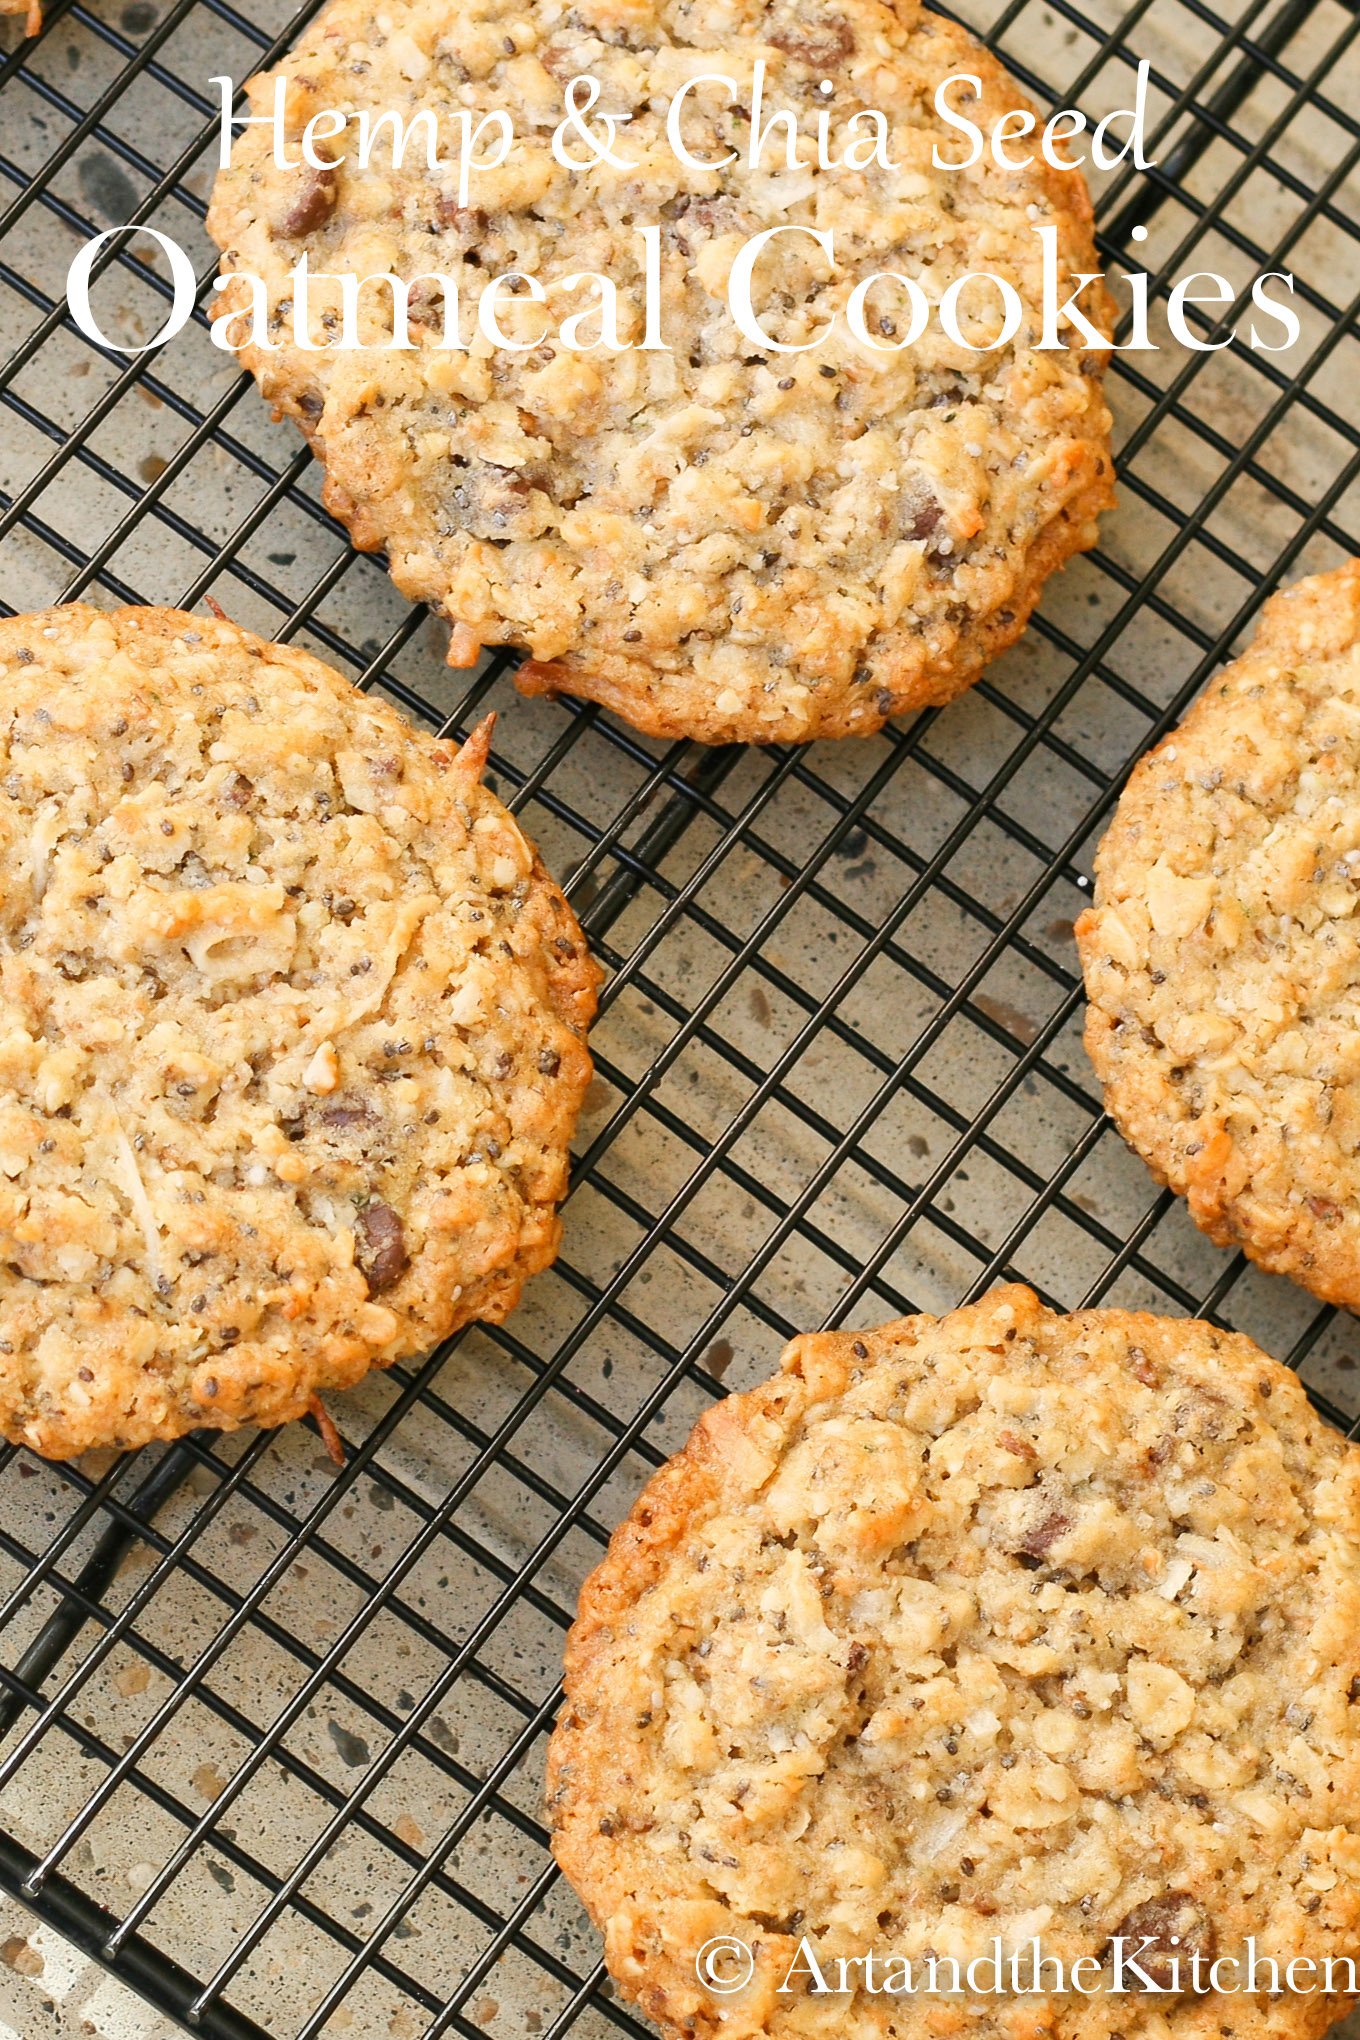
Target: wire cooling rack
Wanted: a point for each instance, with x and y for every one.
(273, 1735)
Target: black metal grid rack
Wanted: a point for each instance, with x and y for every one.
(273, 1734)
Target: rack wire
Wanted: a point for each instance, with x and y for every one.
(272, 1734)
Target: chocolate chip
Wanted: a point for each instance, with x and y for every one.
(549, 1062)
(382, 1254)
(425, 302)
(469, 221)
(311, 202)
(1037, 1541)
(347, 1115)
(821, 45)
(1177, 1927)
(1205, 1414)
(919, 516)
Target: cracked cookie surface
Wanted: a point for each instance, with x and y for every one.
(715, 539)
(292, 1032)
(1222, 951)
(1002, 1624)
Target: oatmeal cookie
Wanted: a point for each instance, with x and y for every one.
(1005, 1624)
(716, 539)
(292, 1031)
(31, 11)
(1222, 952)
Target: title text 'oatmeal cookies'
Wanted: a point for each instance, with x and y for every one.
(292, 1032)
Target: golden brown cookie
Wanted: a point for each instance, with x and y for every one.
(1005, 1624)
(292, 1032)
(1222, 953)
(714, 538)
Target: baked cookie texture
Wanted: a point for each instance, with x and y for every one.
(715, 539)
(1222, 951)
(1006, 1623)
(292, 1031)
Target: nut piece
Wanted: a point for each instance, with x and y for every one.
(323, 1071)
(1159, 1700)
